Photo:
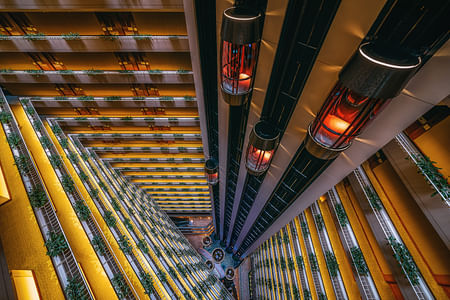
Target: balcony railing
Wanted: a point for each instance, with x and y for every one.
(415, 278)
(426, 167)
(65, 264)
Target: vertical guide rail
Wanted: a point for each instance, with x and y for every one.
(65, 264)
(421, 288)
(366, 282)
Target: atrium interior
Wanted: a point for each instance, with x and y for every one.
(213, 149)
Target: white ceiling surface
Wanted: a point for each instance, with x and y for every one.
(351, 23)
(427, 88)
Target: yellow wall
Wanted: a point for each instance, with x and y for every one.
(4, 192)
(435, 143)
(319, 255)
(428, 250)
(378, 267)
(21, 237)
(344, 265)
(25, 285)
(76, 236)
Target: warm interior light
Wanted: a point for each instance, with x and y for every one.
(244, 82)
(258, 159)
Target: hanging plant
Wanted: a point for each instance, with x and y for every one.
(99, 245)
(142, 245)
(14, 140)
(38, 197)
(94, 193)
(359, 262)
(304, 227)
(319, 221)
(73, 157)
(341, 215)
(5, 117)
(71, 36)
(75, 289)
(295, 292)
(322, 296)
(94, 72)
(431, 173)
(67, 184)
(162, 276)
(85, 98)
(373, 198)
(64, 143)
(306, 294)
(282, 264)
(56, 244)
(125, 245)
(147, 283)
(313, 262)
(82, 210)
(37, 125)
(128, 224)
(115, 204)
(83, 176)
(55, 161)
(56, 129)
(109, 218)
(405, 260)
(290, 264)
(45, 142)
(332, 264)
(172, 272)
(300, 263)
(34, 36)
(22, 163)
(30, 110)
(120, 286)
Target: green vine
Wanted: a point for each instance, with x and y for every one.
(405, 260)
(56, 244)
(142, 245)
(431, 173)
(99, 245)
(37, 197)
(109, 218)
(319, 221)
(306, 294)
(67, 184)
(82, 210)
(359, 262)
(341, 215)
(305, 229)
(313, 262)
(75, 289)
(147, 283)
(22, 163)
(71, 36)
(125, 245)
(332, 264)
(5, 117)
(55, 161)
(14, 140)
(45, 142)
(374, 200)
(120, 286)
